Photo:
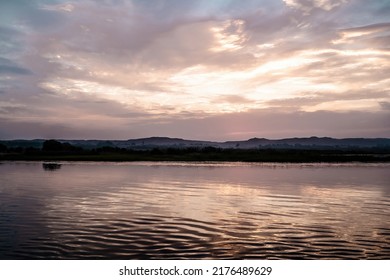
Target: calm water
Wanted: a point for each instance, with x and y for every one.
(194, 211)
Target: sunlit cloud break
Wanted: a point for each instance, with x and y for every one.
(213, 70)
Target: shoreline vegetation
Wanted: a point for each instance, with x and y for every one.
(53, 150)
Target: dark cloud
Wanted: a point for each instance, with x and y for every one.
(316, 98)
(361, 12)
(13, 110)
(233, 99)
(10, 41)
(19, 129)
(31, 14)
(30, 129)
(370, 28)
(385, 105)
(9, 67)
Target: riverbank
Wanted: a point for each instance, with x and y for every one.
(222, 155)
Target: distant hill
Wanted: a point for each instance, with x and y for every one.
(254, 143)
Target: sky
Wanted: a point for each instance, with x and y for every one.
(207, 70)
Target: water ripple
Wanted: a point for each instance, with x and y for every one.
(187, 211)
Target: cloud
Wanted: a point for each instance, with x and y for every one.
(281, 124)
(385, 105)
(257, 123)
(234, 99)
(307, 6)
(147, 66)
(9, 67)
(30, 14)
(362, 100)
(271, 124)
(10, 41)
(377, 27)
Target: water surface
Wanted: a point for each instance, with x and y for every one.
(194, 211)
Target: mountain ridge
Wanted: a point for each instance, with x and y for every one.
(312, 142)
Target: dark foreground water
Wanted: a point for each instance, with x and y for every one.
(194, 211)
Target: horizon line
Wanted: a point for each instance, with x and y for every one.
(187, 139)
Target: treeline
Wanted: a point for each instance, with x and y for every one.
(49, 146)
(55, 150)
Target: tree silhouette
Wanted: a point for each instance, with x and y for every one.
(52, 146)
(3, 148)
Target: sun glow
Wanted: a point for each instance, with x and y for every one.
(200, 88)
(228, 40)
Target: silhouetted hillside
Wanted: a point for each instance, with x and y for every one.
(254, 143)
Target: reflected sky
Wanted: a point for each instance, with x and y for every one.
(228, 203)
